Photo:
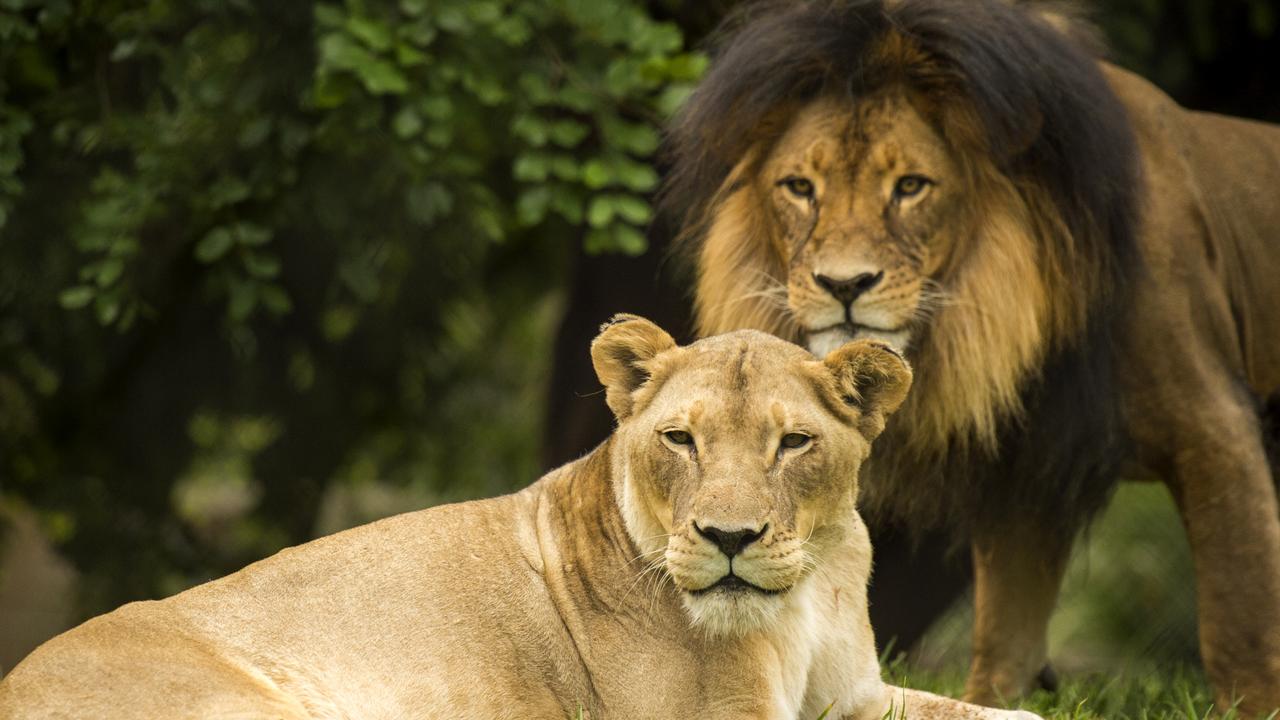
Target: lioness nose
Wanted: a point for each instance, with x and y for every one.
(730, 542)
(847, 290)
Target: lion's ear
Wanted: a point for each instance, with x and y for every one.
(872, 377)
(621, 354)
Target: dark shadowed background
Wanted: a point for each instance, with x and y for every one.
(268, 270)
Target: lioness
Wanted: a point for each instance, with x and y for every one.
(705, 561)
(1085, 276)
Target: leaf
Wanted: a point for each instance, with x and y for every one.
(530, 128)
(598, 240)
(328, 16)
(124, 50)
(242, 297)
(372, 33)
(436, 107)
(687, 67)
(76, 297)
(341, 52)
(110, 271)
(337, 323)
(637, 176)
(595, 174)
(421, 33)
(567, 133)
(565, 167)
(532, 205)
(439, 136)
(255, 132)
(107, 308)
(530, 167)
(261, 266)
(428, 202)
(513, 30)
(656, 38)
(635, 138)
(673, 98)
(361, 278)
(566, 201)
(227, 191)
(535, 88)
(622, 77)
(600, 212)
(382, 78)
(453, 20)
(406, 123)
(632, 209)
(251, 235)
(214, 245)
(413, 8)
(276, 300)
(575, 98)
(409, 56)
(487, 221)
(629, 240)
(484, 12)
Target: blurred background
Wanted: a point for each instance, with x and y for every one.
(273, 269)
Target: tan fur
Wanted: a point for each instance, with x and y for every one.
(971, 377)
(981, 303)
(588, 592)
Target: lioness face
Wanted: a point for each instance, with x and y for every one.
(740, 457)
(860, 202)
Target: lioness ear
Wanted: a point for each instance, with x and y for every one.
(621, 355)
(871, 376)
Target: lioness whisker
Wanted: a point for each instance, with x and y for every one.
(653, 566)
(647, 553)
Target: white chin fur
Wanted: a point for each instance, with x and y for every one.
(821, 343)
(733, 613)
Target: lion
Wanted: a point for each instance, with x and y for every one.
(1085, 276)
(707, 560)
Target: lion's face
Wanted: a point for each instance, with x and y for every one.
(740, 458)
(863, 205)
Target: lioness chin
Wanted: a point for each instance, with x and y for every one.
(706, 561)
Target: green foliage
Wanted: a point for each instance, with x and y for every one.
(340, 221)
(1178, 693)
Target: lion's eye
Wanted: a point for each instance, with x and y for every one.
(679, 437)
(909, 186)
(794, 441)
(798, 186)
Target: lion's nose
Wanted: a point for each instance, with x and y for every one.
(730, 542)
(847, 290)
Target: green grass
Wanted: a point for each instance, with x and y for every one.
(1148, 694)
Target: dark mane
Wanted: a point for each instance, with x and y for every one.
(1038, 110)
(1047, 114)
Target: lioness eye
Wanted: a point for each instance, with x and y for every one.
(791, 441)
(909, 186)
(798, 186)
(679, 437)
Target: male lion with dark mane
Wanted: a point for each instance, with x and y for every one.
(706, 561)
(1085, 276)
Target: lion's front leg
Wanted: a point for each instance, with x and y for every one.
(1016, 577)
(1226, 494)
(905, 704)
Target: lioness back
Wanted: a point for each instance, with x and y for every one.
(330, 629)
